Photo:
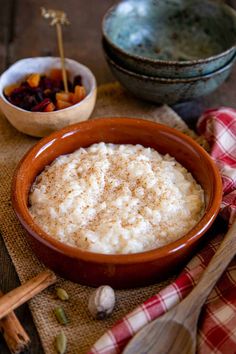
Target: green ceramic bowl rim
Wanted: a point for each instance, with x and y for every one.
(227, 8)
(168, 80)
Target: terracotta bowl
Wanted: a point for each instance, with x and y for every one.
(40, 124)
(120, 271)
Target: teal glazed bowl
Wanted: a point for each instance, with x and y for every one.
(169, 91)
(172, 39)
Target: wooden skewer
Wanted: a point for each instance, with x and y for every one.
(14, 334)
(58, 18)
(61, 51)
(23, 293)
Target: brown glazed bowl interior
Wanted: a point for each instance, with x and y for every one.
(120, 271)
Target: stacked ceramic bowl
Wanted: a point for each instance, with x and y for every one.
(170, 51)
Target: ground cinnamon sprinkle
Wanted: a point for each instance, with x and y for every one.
(111, 198)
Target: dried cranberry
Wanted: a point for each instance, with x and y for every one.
(39, 96)
(18, 90)
(53, 94)
(40, 106)
(70, 86)
(62, 88)
(29, 101)
(77, 81)
(25, 84)
(16, 102)
(45, 83)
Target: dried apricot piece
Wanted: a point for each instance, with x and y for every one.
(33, 80)
(64, 96)
(63, 104)
(56, 74)
(9, 89)
(50, 107)
(79, 94)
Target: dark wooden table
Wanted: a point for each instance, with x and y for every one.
(23, 34)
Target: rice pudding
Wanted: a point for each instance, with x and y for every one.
(116, 199)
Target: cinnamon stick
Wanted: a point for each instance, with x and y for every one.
(14, 334)
(23, 293)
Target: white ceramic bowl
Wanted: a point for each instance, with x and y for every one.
(40, 124)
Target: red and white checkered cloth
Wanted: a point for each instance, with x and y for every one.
(217, 325)
(219, 128)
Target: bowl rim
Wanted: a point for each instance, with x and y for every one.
(35, 231)
(169, 80)
(87, 97)
(160, 62)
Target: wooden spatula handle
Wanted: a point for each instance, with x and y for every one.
(213, 272)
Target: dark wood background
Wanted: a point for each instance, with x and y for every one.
(24, 34)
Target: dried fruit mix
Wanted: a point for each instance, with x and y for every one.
(41, 93)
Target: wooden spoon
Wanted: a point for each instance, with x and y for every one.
(176, 331)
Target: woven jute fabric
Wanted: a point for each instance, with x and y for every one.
(82, 331)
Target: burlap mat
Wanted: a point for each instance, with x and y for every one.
(82, 331)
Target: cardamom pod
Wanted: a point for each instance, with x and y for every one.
(60, 315)
(62, 294)
(61, 343)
